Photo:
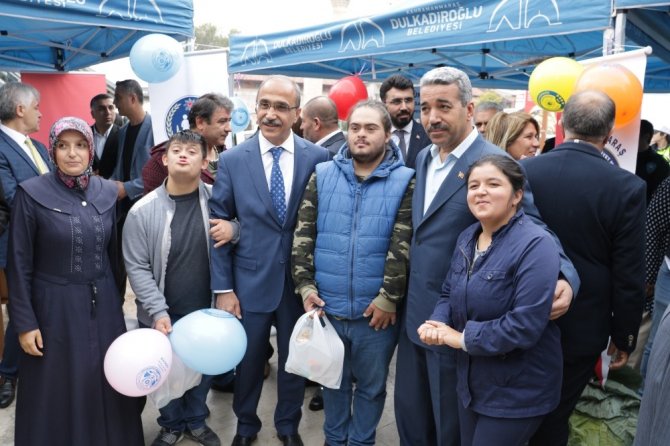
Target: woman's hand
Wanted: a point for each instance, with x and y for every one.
(438, 333)
(31, 342)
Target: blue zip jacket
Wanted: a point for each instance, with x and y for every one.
(513, 365)
(354, 226)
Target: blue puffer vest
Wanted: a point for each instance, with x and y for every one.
(354, 226)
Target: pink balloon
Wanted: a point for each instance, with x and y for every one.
(346, 93)
(138, 362)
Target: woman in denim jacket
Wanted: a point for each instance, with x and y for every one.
(494, 311)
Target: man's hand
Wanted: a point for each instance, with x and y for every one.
(562, 299)
(120, 191)
(163, 325)
(221, 231)
(619, 358)
(31, 342)
(230, 303)
(313, 302)
(380, 318)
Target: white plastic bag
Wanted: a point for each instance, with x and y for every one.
(179, 380)
(315, 351)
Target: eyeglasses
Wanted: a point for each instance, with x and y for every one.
(398, 101)
(279, 107)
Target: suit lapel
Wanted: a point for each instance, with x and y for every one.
(257, 174)
(420, 188)
(20, 152)
(299, 172)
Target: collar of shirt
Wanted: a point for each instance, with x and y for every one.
(327, 137)
(457, 152)
(407, 128)
(104, 135)
(18, 137)
(266, 145)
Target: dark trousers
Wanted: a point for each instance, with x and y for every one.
(9, 366)
(425, 401)
(249, 373)
(481, 430)
(554, 430)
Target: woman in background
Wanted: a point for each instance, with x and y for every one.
(65, 301)
(516, 133)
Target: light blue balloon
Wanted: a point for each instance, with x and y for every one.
(156, 57)
(239, 118)
(209, 341)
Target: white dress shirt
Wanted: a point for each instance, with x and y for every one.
(286, 161)
(438, 169)
(408, 135)
(99, 140)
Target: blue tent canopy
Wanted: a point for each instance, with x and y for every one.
(497, 42)
(65, 35)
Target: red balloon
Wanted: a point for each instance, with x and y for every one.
(346, 93)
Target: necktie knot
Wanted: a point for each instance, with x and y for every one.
(276, 153)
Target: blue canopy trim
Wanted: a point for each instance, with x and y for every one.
(65, 35)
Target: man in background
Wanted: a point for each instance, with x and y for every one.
(105, 134)
(484, 111)
(319, 124)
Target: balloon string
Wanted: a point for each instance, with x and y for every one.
(362, 69)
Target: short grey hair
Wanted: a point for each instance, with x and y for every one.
(488, 105)
(448, 76)
(589, 115)
(296, 88)
(13, 94)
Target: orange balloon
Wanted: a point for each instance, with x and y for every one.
(617, 82)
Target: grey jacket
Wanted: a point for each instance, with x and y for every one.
(146, 245)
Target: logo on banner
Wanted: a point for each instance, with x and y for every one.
(130, 13)
(520, 14)
(176, 119)
(255, 52)
(361, 34)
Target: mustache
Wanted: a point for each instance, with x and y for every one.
(432, 127)
(271, 122)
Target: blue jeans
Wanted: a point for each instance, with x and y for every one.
(367, 355)
(661, 302)
(190, 410)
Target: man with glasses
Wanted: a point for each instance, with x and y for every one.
(397, 93)
(261, 183)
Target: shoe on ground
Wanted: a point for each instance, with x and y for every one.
(7, 391)
(291, 440)
(241, 440)
(316, 403)
(167, 437)
(204, 436)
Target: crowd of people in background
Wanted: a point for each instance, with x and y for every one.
(495, 270)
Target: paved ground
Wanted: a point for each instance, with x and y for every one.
(222, 419)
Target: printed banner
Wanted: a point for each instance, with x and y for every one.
(202, 72)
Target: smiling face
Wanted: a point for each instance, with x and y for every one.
(72, 153)
(277, 109)
(446, 120)
(366, 137)
(491, 198)
(526, 144)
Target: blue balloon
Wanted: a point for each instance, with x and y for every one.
(239, 118)
(209, 341)
(156, 57)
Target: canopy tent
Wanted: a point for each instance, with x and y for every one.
(497, 42)
(65, 35)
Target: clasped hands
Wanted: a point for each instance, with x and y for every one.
(439, 333)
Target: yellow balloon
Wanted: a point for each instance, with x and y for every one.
(553, 81)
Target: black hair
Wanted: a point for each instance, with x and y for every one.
(506, 164)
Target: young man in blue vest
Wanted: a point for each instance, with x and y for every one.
(352, 239)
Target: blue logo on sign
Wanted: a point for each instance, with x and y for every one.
(176, 119)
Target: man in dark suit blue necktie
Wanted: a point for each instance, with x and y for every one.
(261, 182)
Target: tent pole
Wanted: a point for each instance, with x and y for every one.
(620, 31)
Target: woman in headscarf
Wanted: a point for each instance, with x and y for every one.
(65, 304)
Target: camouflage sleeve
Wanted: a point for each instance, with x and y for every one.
(302, 254)
(397, 259)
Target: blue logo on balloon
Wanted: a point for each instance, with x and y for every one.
(239, 118)
(156, 57)
(148, 378)
(176, 119)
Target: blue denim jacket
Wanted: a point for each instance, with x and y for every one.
(513, 364)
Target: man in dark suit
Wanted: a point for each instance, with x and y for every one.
(20, 158)
(105, 134)
(319, 124)
(597, 210)
(397, 93)
(425, 394)
(261, 182)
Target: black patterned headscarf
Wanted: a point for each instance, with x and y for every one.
(79, 182)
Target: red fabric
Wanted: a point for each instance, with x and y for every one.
(64, 94)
